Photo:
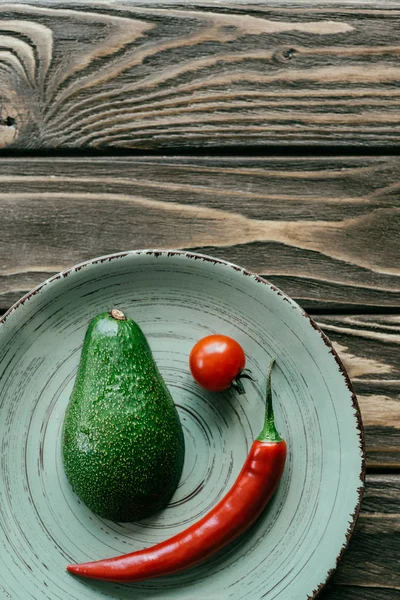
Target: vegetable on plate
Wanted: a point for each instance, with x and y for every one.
(122, 443)
(217, 362)
(232, 516)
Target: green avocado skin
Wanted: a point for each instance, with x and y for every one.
(122, 440)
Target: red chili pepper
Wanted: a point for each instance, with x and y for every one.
(240, 507)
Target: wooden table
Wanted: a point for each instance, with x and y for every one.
(265, 133)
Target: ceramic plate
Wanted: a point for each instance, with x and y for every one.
(177, 298)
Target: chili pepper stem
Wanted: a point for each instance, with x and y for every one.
(269, 432)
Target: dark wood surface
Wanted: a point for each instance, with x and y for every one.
(202, 73)
(369, 348)
(371, 563)
(246, 83)
(360, 593)
(369, 568)
(326, 230)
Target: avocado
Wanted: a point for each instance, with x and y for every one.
(122, 440)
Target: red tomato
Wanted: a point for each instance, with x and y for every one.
(216, 361)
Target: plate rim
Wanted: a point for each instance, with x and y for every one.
(196, 256)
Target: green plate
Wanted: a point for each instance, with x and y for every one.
(177, 298)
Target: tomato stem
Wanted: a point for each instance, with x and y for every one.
(269, 432)
(245, 374)
(238, 385)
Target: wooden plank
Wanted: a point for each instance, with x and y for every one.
(369, 348)
(381, 495)
(359, 593)
(325, 230)
(369, 567)
(150, 74)
(373, 554)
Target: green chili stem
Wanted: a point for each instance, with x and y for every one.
(269, 432)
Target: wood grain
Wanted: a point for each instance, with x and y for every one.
(381, 495)
(372, 558)
(373, 554)
(369, 567)
(335, 592)
(369, 348)
(175, 74)
(325, 230)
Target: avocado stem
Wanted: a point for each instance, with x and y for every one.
(117, 314)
